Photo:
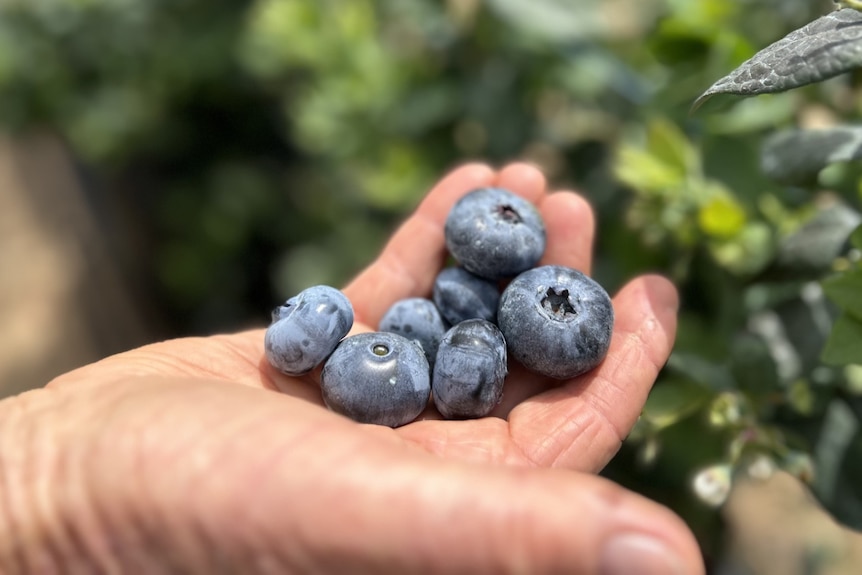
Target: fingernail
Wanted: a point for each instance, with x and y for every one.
(635, 553)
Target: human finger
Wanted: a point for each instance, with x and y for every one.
(570, 225)
(412, 257)
(523, 179)
(416, 252)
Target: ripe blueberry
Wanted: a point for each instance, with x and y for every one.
(556, 321)
(494, 233)
(377, 377)
(306, 329)
(470, 370)
(460, 295)
(416, 318)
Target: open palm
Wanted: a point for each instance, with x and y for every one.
(270, 441)
(578, 424)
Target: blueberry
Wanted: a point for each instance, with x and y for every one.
(460, 295)
(556, 321)
(471, 367)
(377, 377)
(306, 329)
(494, 233)
(416, 318)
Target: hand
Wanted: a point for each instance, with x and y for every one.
(181, 457)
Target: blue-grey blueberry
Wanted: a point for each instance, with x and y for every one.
(377, 377)
(468, 377)
(460, 295)
(307, 328)
(556, 320)
(495, 233)
(416, 318)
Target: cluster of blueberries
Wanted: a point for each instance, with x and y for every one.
(453, 348)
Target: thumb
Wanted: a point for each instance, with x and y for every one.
(321, 494)
(385, 511)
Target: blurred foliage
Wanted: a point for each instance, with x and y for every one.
(272, 144)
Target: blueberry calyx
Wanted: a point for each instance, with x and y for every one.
(557, 305)
(508, 214)
(557, 321)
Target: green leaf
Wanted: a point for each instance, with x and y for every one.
(856, 238)
(642, 171)
(700, 370)
(846, 502)
(673, 400)
(753, 115)
(721, 217)
(753, 365)
(797, 156)
(853, 379)
(564, 21)
(670, 145)
(824, 48)
(844, 345)
(800, 396)
(811, 250)
(661, 164)
(840, 426)
(551, 19)
(846, 291)
(747, 252)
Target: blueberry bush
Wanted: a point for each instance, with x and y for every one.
(269, 145)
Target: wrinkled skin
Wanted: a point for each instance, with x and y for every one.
(180, 457)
